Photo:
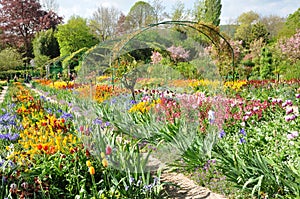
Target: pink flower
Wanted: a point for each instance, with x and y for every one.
(81, 128)
(108, 150)
(289, 110)
(289, 136)
(295, 133)
(292, 135)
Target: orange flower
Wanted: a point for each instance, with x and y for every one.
(92, 170)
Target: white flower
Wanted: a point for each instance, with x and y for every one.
(211, 116)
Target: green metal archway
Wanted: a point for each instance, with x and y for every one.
(210, 31)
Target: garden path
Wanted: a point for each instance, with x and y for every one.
(3, 92)
(182, 187)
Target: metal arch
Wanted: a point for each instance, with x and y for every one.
(191, 24)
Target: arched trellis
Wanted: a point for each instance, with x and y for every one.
(210, 31)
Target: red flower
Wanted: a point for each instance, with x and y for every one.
(39, 146)
(45, 147)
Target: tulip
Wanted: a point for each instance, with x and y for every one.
(92, 170)
(104, 162)
(108, 150)
(88, 163)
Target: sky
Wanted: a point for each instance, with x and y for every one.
(231, 9)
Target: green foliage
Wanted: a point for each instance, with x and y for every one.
(292, 71)
(45, 44)
(74, 35)
(291, 25)
(258, 31)
(208, 11)
(266, 68)
(140, 15)
(10, 59)
(40, 61)
(72, 61)
(244, 30)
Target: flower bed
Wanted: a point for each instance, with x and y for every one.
(48, 152)
(248, 139)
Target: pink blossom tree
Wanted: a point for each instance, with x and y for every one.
(178, 54)
(291, 47)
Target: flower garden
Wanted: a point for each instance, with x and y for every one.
(58, 142)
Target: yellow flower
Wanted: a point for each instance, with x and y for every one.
(104, 162)
(92, 170)
(88, 163)
(102, 154)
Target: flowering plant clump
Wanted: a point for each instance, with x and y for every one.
(156, 57)
(178, 53)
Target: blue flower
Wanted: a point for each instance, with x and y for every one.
(132, 102)
(222, 134)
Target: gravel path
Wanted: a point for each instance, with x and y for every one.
(3, 92)
(182, 187)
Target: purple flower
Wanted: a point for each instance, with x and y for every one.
(97, 121)
(297, 95)
(243, 132)
(289, 110)
(292, 135)
(67, 116)
(290, 117)
(289, 136)
(222, 134)
(242, 140)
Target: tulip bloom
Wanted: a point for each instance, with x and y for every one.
(92, 170)
(108, 150)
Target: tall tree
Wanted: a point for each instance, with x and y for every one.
(20, 20)
(49, 5)
(10, 59)
(140, 15)
(179, 13)
(121, 25)
(273, 24)
(291, 25)
(46, 44)
(158, 10)
(208, 11)
(245, 23)
(104, 22)
(74, 35)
